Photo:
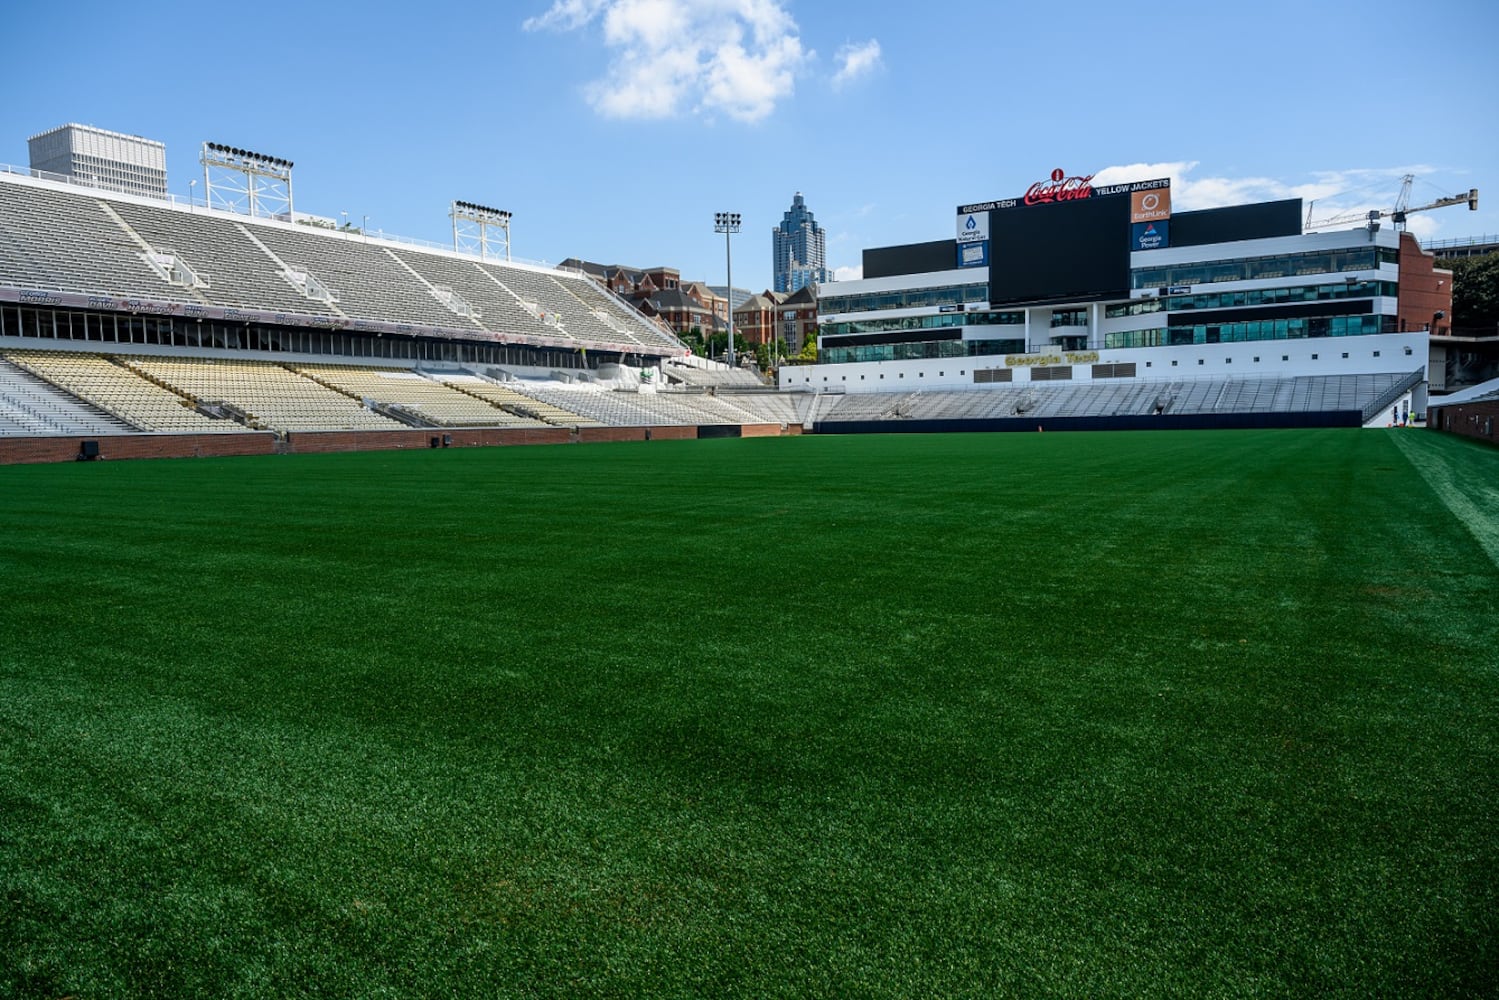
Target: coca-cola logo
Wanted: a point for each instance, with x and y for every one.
(1059, 188)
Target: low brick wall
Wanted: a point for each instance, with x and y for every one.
(322, 442)
(674, 432)
(1478, 420)
(594, 435)
(15, 451)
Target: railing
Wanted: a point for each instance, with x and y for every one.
(1460, 241)
(1393, 393)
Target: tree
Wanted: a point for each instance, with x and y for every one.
(808, 353)
(766, 354)
(1475, 292)
(718, 344)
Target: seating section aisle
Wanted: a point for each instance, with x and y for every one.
(32, 402)
(435, 403)
(269, 395)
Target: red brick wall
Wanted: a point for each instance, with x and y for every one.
(1425, 290)
(674, 432)
(314, 442)
(1479, 421)
(594, 435)
(14, 451)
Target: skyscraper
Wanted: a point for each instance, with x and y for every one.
(102, 158)
(800, 249)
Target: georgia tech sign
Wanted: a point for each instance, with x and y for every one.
(1068, 357)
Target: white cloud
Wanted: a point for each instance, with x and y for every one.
(734, 57)
(566, 15)
(1328, 194)
(855, 61)
(848, 273)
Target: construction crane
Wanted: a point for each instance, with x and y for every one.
(1397, 214)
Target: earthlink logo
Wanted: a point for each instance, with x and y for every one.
(1150, 206)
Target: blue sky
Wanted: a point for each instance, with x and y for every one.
(614, 129)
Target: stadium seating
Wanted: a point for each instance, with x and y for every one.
(370, 280)
(239, 272)
(1306, 394)
(693, 370)
(523, 404)
(138, 402)
(33, 403)
(95, 242)
(268, 395)
(434, 402)
(66, 241)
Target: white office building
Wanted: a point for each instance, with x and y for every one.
(1072, 287)
(100, 158)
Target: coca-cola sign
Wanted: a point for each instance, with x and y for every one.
(1060, 188)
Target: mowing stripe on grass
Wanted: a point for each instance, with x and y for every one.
(1473, 500)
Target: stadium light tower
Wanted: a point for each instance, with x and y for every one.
(728, 224)
(250, 183)
(471, 226)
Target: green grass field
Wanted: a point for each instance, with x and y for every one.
(1092, 715)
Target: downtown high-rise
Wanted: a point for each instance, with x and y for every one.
(799, 249)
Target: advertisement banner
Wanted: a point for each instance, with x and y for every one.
(1062, 188)
(1150, 235)
(1150, 206)
(973, 227)
(973, 254)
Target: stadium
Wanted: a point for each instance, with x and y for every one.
(124, 315)
(751, 700)
(1229, 317)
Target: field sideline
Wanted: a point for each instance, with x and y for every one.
(1205, 714)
